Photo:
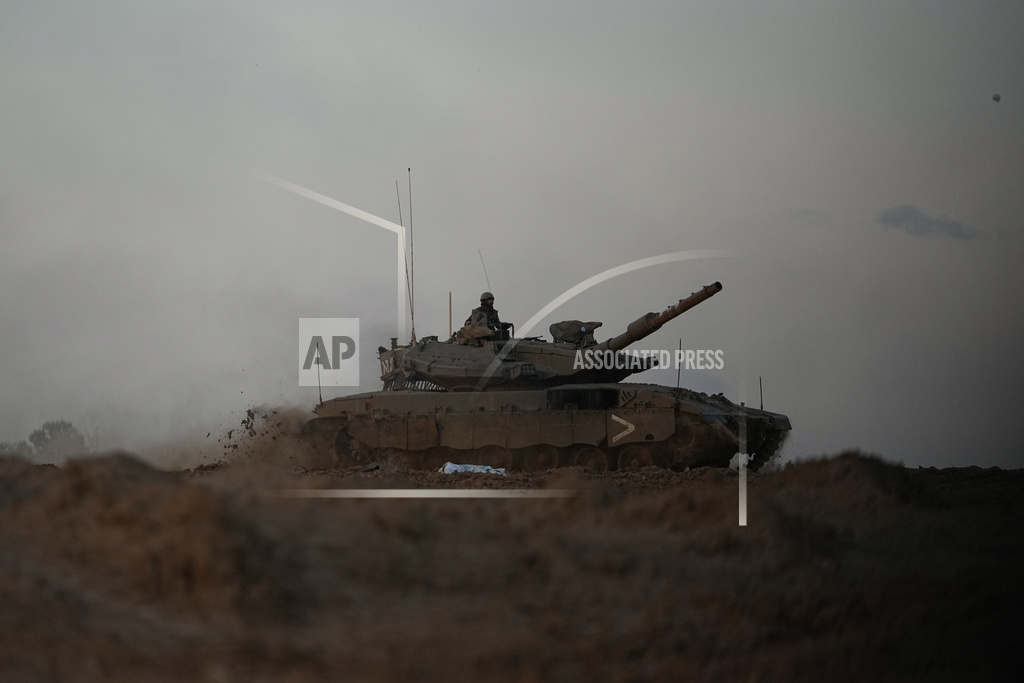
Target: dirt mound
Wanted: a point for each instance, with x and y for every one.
(149, 536)
(849, 569)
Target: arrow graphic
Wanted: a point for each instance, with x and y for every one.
(629, 427)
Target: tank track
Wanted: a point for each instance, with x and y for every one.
(704, 447)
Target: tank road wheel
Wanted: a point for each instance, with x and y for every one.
(350, 452)
(318, 435)
(634, 456)
(591, 457)
(434, 458)
(539, 458)
(321, 432)
(495, 456)
(411, 460)
(392, 457)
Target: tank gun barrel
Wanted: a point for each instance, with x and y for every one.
(649, 324)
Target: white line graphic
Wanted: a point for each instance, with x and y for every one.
(743, 489)
(428, 493)
(620, 270)
(361, 215)
(630, 427)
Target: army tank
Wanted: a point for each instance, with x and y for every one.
(532, 404)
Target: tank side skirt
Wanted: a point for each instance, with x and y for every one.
(673, 439)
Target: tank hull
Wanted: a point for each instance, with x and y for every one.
(605, 426)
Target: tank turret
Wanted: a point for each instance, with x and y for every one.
(572, 357)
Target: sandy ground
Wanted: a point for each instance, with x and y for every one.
(849, 569)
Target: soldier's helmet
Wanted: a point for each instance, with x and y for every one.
(485, 296)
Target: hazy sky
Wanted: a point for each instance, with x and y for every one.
(851, 154)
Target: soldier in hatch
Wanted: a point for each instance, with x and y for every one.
(483, 323)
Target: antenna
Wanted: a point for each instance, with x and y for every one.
(398, 195)
(678, 367)
(760, 388)
(487, 279)
(449, 314)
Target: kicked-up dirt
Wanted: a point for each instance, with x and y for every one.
(849, 569)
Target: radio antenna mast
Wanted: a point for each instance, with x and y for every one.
(486, 279)
(679, 369)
